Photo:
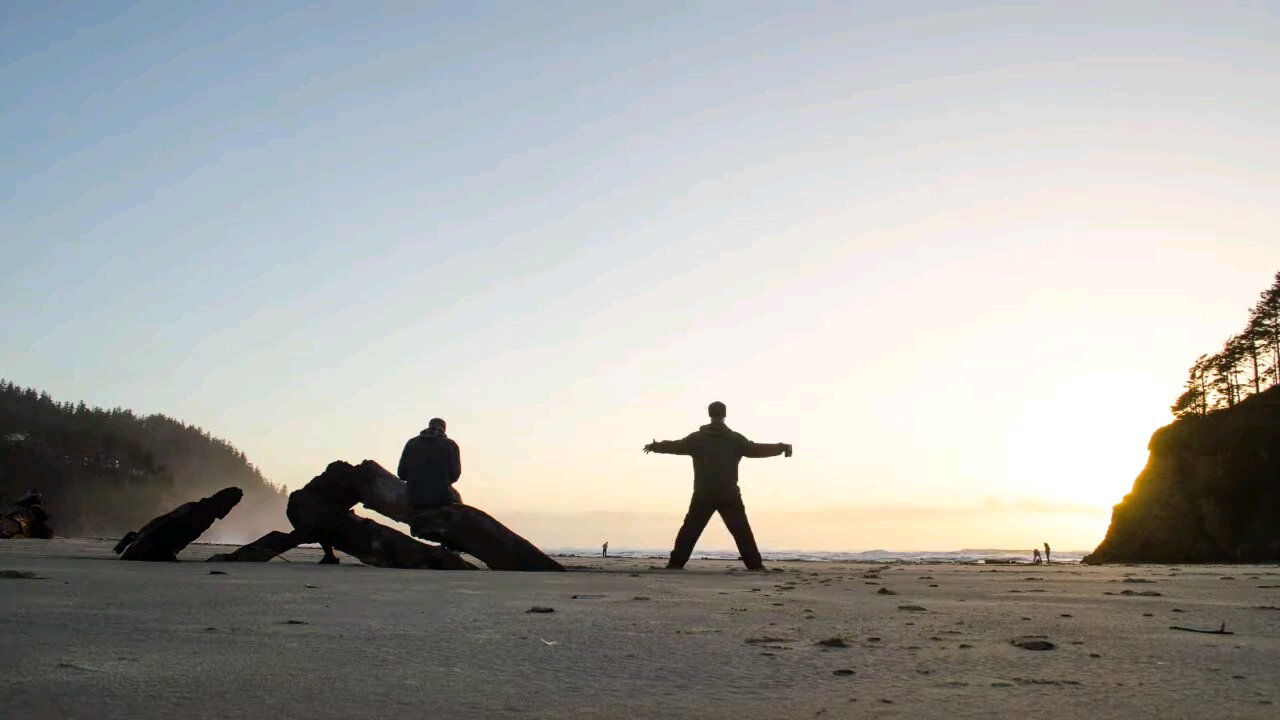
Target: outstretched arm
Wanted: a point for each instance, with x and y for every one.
(764, 450)
(669, 447)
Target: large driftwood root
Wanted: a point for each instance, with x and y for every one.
(318, 514)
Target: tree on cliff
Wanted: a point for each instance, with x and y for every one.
(1194, 399)
(1242, 367)
(1265, 323)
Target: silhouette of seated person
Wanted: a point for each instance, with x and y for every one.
(430, 464)
(716, 451)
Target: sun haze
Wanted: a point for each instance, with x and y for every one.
(959, 256)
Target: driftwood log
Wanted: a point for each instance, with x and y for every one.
(456, 527)
(265, 548)
(26, 518)
(164, 537)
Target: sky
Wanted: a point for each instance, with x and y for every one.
(959, 255)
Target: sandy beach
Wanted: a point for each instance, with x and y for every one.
(92, 637)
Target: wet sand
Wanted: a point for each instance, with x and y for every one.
(94, 637)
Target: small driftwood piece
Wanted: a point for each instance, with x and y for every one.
(1220, 631)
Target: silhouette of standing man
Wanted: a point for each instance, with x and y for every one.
(716, 451)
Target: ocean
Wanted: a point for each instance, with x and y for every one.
(876, 556)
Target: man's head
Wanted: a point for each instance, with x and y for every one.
(436, 424)
(717, 410)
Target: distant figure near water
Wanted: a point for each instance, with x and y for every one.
(604, 549)
(1046, 554)
(429, 466)
(1035, 556)
(716, 451)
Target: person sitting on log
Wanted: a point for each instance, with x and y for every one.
(430, 465)
(321, 512)
(456, 526)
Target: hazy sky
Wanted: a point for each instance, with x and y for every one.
(959, 257)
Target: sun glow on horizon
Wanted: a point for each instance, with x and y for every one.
(1068, 447)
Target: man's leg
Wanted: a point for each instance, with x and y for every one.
(734, 515)
(695, 521)
(329, 558)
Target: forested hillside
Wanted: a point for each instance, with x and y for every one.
(104, 472)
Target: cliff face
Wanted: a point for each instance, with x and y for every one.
(1210, 491)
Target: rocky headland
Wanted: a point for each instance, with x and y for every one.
(1210, 491)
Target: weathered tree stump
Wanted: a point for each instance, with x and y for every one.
(165, 536)
(26, 518)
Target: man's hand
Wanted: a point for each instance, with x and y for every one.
(787, 450)
(649, 448)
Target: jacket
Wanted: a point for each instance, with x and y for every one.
(716, 451)
(429, 465)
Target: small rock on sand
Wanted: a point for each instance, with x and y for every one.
(911, 608)
(19, 575)
(540, 610)
(1030, 644)
(843, 671)
(885, 591)
(835, 642)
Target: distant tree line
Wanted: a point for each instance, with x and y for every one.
(1248, 363)
(103, 472)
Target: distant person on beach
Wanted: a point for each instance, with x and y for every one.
(1035, 556)
(1046, 554)
(604, 549)
(716, 451)
(429, 466)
